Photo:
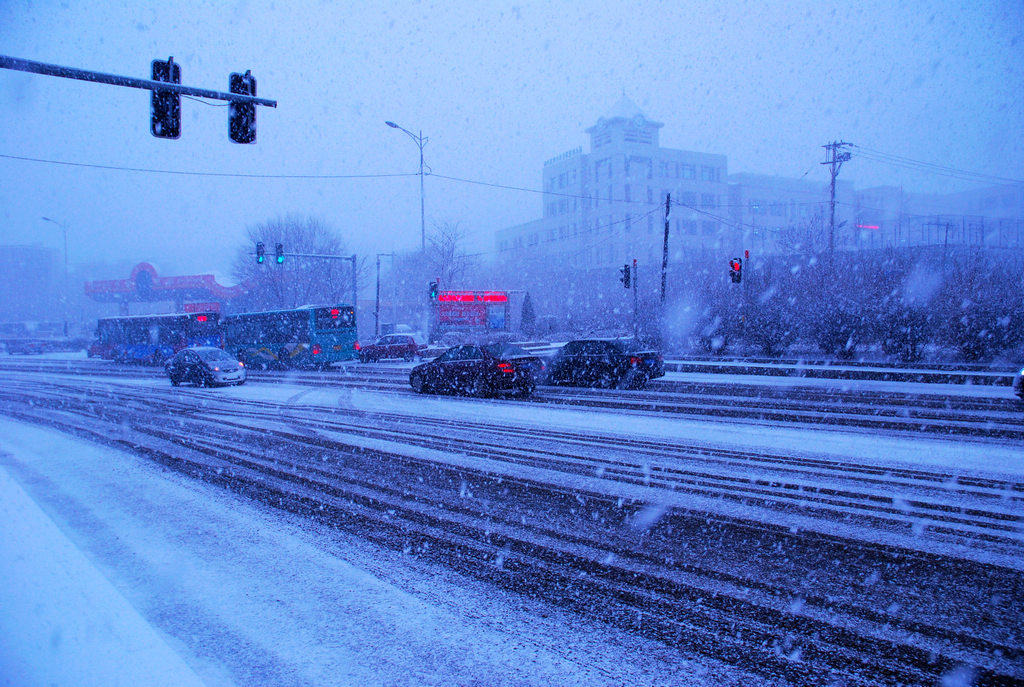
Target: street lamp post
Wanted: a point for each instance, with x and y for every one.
(64, 298)
(420, 141)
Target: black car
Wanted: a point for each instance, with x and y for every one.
(532, 362)
(605, 363)
(477, 370)
(204, 366)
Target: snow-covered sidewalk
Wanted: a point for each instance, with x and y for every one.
(61, 621)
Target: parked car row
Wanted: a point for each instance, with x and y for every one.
(478, 370)
(506, 368)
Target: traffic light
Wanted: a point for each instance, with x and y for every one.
(260, 252)
(736, 270)
(165, 106)
(625, 276)
(280, 254)
(434, 291)
(242, 116)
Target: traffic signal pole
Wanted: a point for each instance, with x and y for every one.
(635, 299)
(664, 249)
(165, 108)
(126, 81)
(281, 255)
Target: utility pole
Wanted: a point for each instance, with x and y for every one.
(834, 159)
(376, 310)
(635, 300)
(664, 249)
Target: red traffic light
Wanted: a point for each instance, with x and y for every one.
(736, 270)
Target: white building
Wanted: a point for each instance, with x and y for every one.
(986, 218)
(779, 215)
(606, 207)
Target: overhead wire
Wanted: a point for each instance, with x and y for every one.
(929, 167)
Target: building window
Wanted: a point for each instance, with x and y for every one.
(708, 228)
(689, 171)
(627, 196)
(708, 200)
(688, 198)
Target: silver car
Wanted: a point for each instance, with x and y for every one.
(1018, 383)
(205, 366)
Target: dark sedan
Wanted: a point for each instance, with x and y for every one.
(205, 366)
(478, 371)
(392, 346)
(605, 363)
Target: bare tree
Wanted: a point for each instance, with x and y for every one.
(298, 280)
(445, 257)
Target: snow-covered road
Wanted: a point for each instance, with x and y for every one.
(122, 573)
(242, 593)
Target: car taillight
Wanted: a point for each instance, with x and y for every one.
(506, 368)
(316, 349)
(634, 361)
(357, 346)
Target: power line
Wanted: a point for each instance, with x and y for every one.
(929, 167)
(145, 170)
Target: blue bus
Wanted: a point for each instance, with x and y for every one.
(310, 336)
(152, 339)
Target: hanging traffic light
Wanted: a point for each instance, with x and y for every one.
(625, 276)
(280, 254)
(260, 252)
(242, 116)
(434, 290)
(165, 106)
(736, 270)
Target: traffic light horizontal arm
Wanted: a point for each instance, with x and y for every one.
(321, 255)
(126, 81)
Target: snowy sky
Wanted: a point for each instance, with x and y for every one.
(497, 87)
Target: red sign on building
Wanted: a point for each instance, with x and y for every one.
(472, 309)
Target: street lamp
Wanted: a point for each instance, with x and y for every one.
(64, 298)
(420, 141)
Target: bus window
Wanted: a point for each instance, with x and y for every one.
(338, 317)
